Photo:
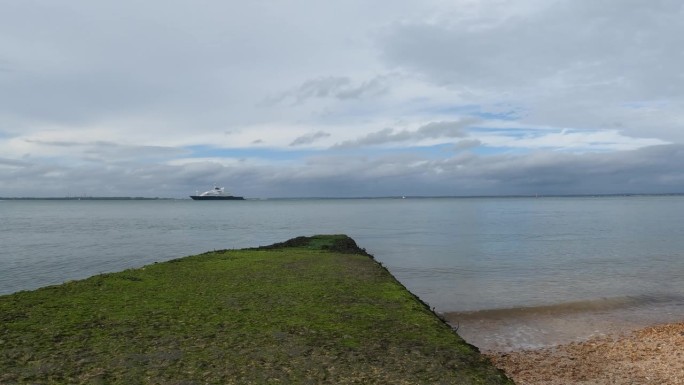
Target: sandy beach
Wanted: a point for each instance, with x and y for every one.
(653, 355)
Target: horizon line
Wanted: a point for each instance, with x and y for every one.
(588, 195)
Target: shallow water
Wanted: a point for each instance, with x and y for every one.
(460, 255)
(502, 330)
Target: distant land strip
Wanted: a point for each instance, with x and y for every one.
(76, 198)
(82, 198)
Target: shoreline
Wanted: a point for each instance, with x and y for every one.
(650, 355)
(533, 328)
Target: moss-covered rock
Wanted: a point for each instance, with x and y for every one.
(312, 310)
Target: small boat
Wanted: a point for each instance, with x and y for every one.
(216, 194)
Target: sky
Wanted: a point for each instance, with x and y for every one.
(352, 98)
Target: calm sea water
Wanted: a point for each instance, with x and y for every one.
(511, 272)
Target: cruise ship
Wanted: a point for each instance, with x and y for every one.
(216, 194)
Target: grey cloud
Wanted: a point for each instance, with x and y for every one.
(385, 135)
(374, 87)
(335, 87)
(322, 88)
(432, 130)
(109, 150)
(103, 150)
(568, 63)
(571, 41)
(55, 143)
(309, 138)
(467, 143)
(445, 129)
(647, 170)
(13, 163)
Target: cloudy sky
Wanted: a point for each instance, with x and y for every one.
(350, 98)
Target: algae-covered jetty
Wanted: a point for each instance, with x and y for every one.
(312, 310)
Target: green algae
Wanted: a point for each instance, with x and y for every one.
(312, 310)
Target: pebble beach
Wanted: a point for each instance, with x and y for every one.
(653, 355)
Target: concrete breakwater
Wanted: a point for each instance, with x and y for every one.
(310, 310)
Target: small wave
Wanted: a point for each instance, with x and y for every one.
(574, 307)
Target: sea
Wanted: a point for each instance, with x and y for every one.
(507, 273)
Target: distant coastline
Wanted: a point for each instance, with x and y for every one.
(486, 196)
(83, 199)
(77, 198)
